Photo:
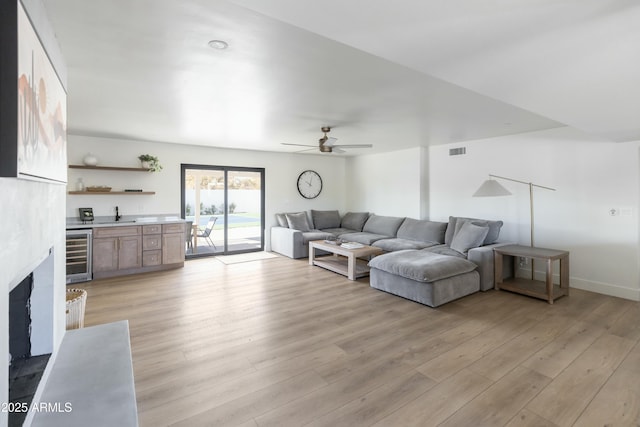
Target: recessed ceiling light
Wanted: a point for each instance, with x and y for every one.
(218, 44)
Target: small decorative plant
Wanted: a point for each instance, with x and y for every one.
(150, 162)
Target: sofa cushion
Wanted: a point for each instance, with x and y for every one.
(391, 245)
(445, 250)
(363, 237)
(309, 236)
(354, 220)
(298, 221)
(325, 219)
(422, 230)
(469, 236)
(383, 225)
(492, 235)
(421, 266)
(337, 232)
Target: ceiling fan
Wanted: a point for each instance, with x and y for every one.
(327, 144)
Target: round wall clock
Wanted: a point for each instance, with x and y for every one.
(309, 184)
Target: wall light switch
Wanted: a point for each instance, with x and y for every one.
(626, 211)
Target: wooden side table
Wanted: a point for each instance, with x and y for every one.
(534, 288)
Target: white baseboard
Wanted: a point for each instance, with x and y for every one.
(588, 285)
(606, 288)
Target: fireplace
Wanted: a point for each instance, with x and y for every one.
(30, 335)
(20, 320)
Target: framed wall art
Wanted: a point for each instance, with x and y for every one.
(85, 214)
(42, 109)
(33, 139)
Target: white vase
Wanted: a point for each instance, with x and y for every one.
(145, 164)
(90, 160)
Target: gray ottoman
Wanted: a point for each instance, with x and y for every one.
(424, 277)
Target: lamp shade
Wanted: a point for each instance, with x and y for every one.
(491, 188)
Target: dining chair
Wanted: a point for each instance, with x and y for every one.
(206, 233)
(189, 234)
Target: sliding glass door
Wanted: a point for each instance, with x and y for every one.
(226, 207)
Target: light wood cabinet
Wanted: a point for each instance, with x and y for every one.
(151, 245)
(105, 254)
(129, 252)
(173, 243)
(151, 258)
(115, 249)
(137, 249)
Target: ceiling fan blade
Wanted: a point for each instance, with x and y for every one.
(330, 142)
(354, 146)
(299, 145)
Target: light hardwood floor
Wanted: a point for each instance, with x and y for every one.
(280, 343)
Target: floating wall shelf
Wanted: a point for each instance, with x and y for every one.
(106, 193)
(109, 168)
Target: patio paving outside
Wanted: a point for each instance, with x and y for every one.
(243, 234)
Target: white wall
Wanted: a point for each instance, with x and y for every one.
(33, 222)
(590, 176)
(281, 174)
(389, 183)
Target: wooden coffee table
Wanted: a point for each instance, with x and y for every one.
(344, 261)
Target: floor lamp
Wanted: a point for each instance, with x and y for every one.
(492, 188)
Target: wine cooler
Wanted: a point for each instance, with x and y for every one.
(79, 255)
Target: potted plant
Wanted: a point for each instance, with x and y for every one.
(150, 162)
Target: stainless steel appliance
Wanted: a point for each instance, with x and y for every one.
(79, 255)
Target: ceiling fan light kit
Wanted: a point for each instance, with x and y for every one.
(218, 44)
(327, 144)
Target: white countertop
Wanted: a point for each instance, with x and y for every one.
(74, 223)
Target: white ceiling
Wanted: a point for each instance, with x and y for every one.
(394, 74)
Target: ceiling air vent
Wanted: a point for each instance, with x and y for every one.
(457, 151)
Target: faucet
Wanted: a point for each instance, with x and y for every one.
(118, 216)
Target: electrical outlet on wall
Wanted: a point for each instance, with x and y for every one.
(523, 262)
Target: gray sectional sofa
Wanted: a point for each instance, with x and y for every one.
(426, 261)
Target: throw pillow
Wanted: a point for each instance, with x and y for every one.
(469, 236)
(354, 220)
(492, 235)
(282, 220)
(298, 221)
(325, 219)
(461, 221)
